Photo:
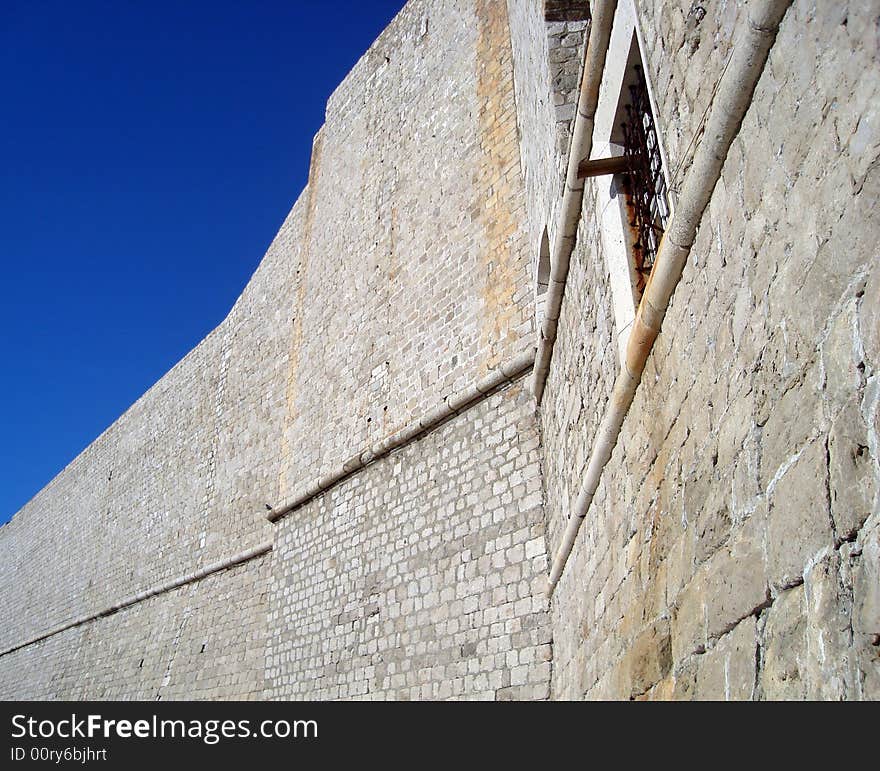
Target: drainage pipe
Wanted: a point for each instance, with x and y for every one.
(731, 102)
(572, 197)
(454, 404)
(174, 583)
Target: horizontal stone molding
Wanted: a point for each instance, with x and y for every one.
(167, 586)
(452, 405)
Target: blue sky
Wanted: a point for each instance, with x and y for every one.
(148, 153)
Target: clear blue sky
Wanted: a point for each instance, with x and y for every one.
(148, 153)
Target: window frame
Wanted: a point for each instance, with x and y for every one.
(625, 47)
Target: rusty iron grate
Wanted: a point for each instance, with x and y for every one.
(644, 185)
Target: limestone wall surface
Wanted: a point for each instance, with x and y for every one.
(422, 576)
(415, 211)
(732, 547)
(176, 483)
(205, 640)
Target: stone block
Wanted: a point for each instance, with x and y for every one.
(828, 662)
(730, 586)
(727, 671)
(866, 582)
(853, 471)
(784, 642)
(647, 660)
(799, 520)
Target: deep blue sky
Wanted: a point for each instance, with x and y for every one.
(148, 153)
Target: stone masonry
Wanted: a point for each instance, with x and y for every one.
(732, 550)
(423, 576)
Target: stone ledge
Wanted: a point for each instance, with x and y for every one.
(167, 586)
(450, 406)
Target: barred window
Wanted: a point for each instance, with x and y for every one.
(644, 184)
(633, 158)
(627, 166)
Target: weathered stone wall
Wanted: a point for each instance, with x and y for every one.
(422, 576)
(399, 276)
(417, 280)
(732, 547)
(547, 58)
(177, 482)
(205, 640)
(585, 359)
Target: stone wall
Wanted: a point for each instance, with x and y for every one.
(732, 547)
(205, 640)
(417, 275)
(177, 482)
(422, 576)
(399, 276)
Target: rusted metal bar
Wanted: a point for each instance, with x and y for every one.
(645, 187)
(755, 36)
(617, 164)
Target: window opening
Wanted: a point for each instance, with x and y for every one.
(542, 279)
(643, 183)
(639, 169)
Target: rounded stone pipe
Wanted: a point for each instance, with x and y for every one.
(451, 405)
(733, 98)
(573, 195)
(146, 594)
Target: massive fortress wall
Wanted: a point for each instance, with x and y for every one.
(732, 548)
(733, 545)
(400, 276)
